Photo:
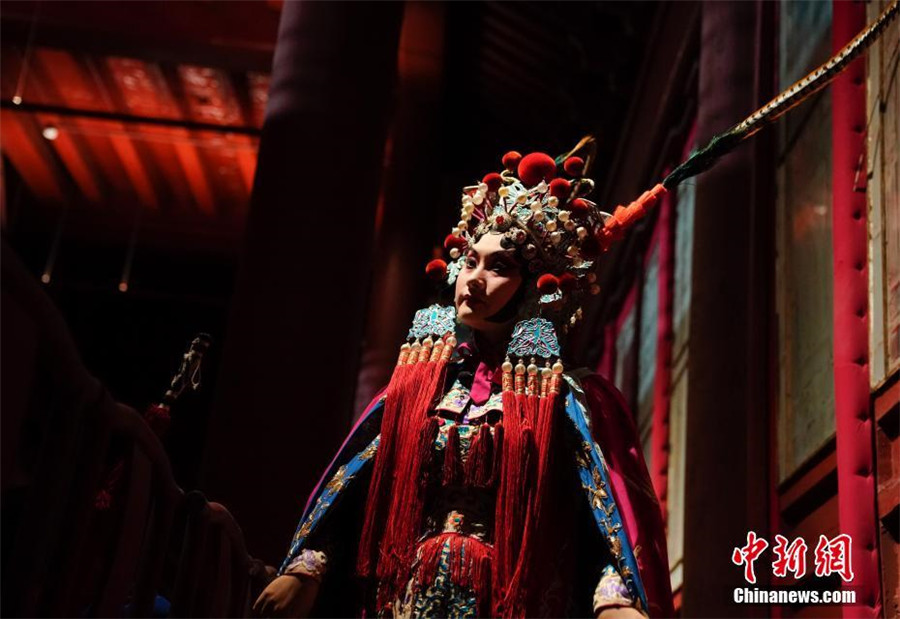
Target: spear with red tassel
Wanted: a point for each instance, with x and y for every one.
(626, 216)
(158, 416)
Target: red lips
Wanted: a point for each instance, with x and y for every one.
(471, 299)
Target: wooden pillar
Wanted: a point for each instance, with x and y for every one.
(286, 385)
(727, 462)
(411, 199)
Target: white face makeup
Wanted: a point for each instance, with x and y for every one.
(489, 278)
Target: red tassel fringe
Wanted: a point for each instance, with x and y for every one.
(497, 463)
(452, 458)
(382, 472)
(396, 496)
(479, 465)
(469, 565)
(517, 460)
(525, 476)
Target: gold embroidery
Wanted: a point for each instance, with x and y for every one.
(615, 545)
(597, 496)
(599, 483)
(338, 481)
(581, 460)
(369, 451)
(304, 530)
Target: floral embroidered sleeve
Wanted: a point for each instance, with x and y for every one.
(611, 591)
(311, 563)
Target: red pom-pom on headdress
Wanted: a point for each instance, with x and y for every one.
(574, 166)
(454, 241)
(511, 160)
(547, 284)
(436, 269)
(559, 188)
(568, 282)
(536, 167)
(579, 207)
(493, 181)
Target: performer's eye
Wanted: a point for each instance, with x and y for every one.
(471, 263)
(500, 267)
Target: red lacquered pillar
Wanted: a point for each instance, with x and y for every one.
(855, 457)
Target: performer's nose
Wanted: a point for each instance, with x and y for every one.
(476, 282)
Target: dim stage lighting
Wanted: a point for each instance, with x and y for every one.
(50, 132)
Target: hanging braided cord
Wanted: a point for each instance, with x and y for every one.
(725, 142)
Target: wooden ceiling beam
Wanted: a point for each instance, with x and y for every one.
(27, 151)
(245, 157)
(128, 118)
(72, 155)
(188, 155)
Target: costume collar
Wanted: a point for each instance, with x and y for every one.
(484, 374)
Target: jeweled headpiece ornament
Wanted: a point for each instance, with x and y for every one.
(540, 206)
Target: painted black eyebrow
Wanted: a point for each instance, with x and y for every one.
(500, 253)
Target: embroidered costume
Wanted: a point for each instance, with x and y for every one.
(470, 491)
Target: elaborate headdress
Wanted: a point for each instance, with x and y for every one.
(540, 206)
